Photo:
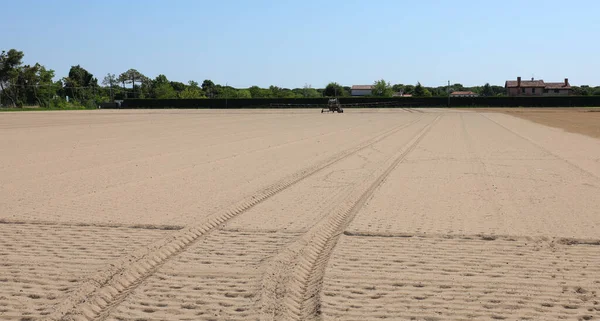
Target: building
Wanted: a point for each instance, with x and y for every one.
(401, 94)
(362, 90)
(537, 88)
(463, 94)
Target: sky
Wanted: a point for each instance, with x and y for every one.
(296, 43)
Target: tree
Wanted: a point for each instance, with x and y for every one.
(131, 76)
(47, 89)
(257, 92)
(243, 93)
(421, 91)
(499, 90)
(584, 90)
(110, 81)
(381, 88)
(307, 92)
(487, 90)
(398, 88)
(334, 89)
(162, 89)
(178, 86)
(38, 86)
(80, 84)
(347, 90)
(10, 63)
(278, 92)
(209, 88)
(192, 91)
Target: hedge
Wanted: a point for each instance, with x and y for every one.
(555, 101)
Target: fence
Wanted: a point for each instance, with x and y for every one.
(365, 102)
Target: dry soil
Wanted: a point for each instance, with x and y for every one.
(401, 214)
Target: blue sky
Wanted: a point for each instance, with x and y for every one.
(293, 43)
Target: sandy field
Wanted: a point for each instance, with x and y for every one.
(398, 214)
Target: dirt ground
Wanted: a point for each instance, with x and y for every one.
(585, 121)
(401, 214)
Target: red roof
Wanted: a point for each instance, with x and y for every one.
(557, 85)
(525, 83)
(463, 93)
(537, 84)
(362, 87)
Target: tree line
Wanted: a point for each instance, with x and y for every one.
(27, 85)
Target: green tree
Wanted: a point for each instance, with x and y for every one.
(243, 93)
(10, 64)
(487, 90)
(421, 91)
(178, 86)
(333, 89)
(38, 86)
(584, 90)
(209, 88)
(132, 77)
(381, 88)
(398, 88)
(276, 92)
(80, 84)
(257, 92)
(347, 91)
(162, 89)
(47, 90)
(110, 81)
(499, 90)
(192, 91)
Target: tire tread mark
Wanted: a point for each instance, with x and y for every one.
(101, 293)
(301, 298)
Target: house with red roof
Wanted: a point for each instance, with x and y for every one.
(538, 87)
(463, 94)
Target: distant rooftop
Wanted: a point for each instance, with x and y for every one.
(462, 93)
(362, 87)
(539, 83)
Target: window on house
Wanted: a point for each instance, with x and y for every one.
(546, 91)
(556, 91)
(523, 90)
(533, 90)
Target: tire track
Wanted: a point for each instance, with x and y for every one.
(108, 288)
(292, 284)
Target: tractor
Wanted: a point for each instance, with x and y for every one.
(333, 105)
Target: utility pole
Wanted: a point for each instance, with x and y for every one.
(448, 90)
(226, 94)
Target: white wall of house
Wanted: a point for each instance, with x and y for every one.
(361, 92)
